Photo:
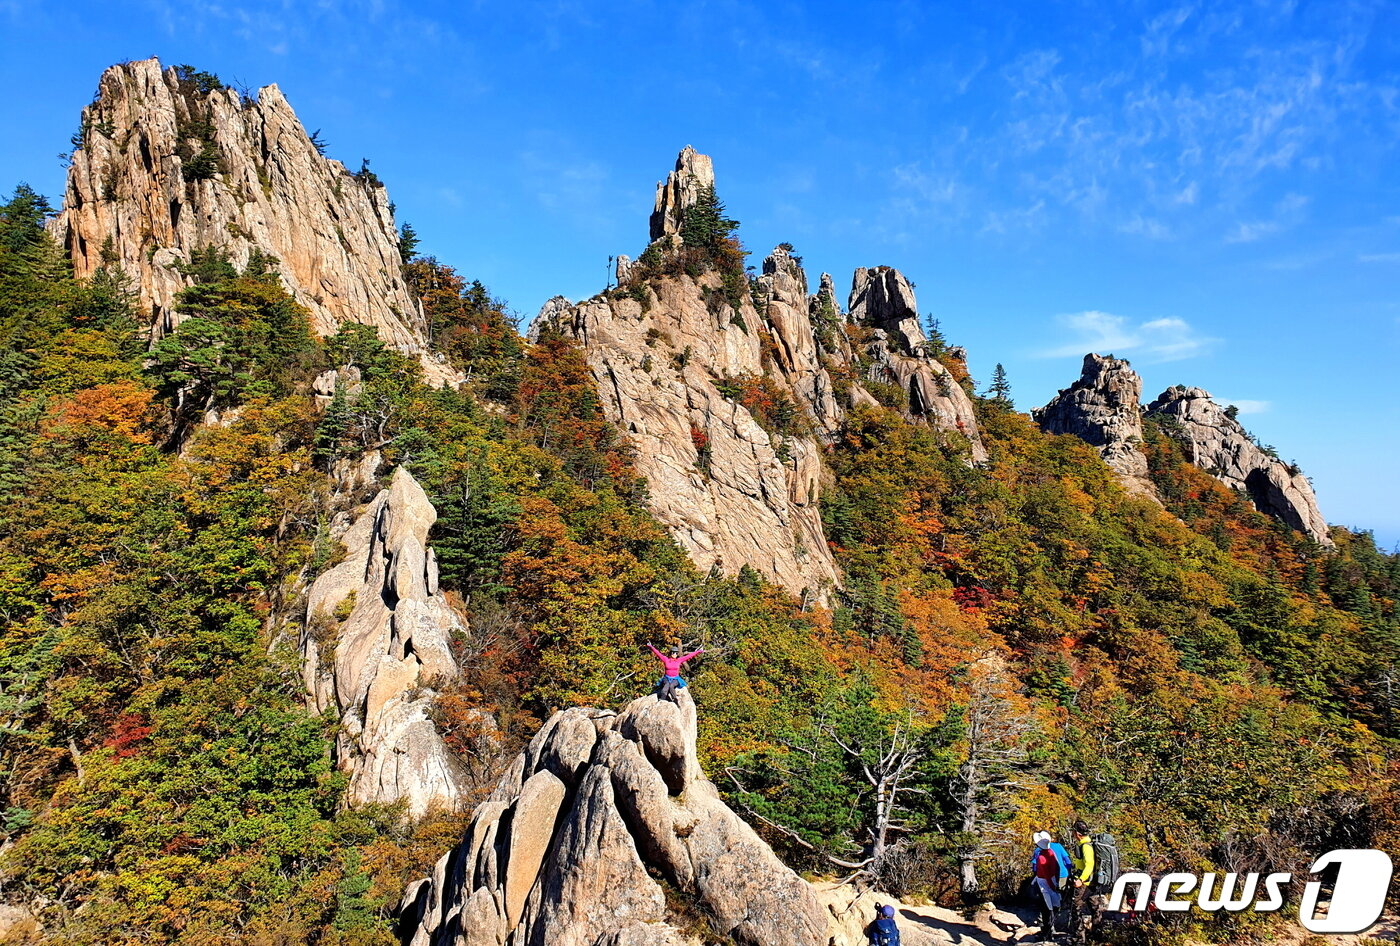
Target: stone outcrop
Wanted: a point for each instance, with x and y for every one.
(1104, 409)
(168, 165)
(730, 491)
(1215, 442)
(576, 842)
(376, 643)
(694, 172)
(680, 361)
(554, 307)
(882, 301)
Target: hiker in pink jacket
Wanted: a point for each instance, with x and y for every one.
(667, 686)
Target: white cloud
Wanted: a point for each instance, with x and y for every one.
(1156, 340)
(1246, 405)
(1148, 227)
(1249, 232)
(1379, 258)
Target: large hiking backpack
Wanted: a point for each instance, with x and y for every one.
(1105, 860)
(886, 933)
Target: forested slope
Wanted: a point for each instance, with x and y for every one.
(1016, 633)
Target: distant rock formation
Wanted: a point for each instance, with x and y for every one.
(669, 348)
(170, 165)
(554, 307)
(731, 492)
(1104, 409)
(882, 300)
(1217, 443)
(576, 842)
(376, 643)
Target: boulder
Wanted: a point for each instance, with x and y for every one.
(608, 846)
(532, 828)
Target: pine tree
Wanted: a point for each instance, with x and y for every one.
(705, 225)
(408, 242)
(333, 428)
(1000, 390)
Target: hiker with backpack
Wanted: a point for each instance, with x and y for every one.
(1046, 868)
(1096, 868)
(671, 682)
(884, 932)
(1083, 879)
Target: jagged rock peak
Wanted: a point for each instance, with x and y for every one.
(1103, 408)
(781, 260)
(882, 298)
(566, 849)
(171, 162)
(1215, 441)
(882, 303)
(550, 313)
(732, 491)
(376, 643)
(694, 172)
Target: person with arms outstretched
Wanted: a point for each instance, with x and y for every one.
(671, 682)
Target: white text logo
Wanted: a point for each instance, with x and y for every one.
(1358, 896)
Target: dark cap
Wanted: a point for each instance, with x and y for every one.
(1081, 827)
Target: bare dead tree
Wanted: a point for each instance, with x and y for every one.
(889, 776)
(996, 766)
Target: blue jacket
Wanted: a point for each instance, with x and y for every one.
(886, 926)
(1061, 855)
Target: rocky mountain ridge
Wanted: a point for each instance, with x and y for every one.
(729, 401)
(169, 162)
(1104, 409)
(1217, 443)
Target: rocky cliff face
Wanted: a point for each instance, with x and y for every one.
(679, 366)
(376, 642)
(732, 492)
(596, 819)
(1217, 443)
(169, 165)
(1104, 409)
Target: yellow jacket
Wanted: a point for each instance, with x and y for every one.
(1085, 861)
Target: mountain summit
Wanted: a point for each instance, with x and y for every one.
(172, 162)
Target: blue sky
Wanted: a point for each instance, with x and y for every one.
(1208, 189)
